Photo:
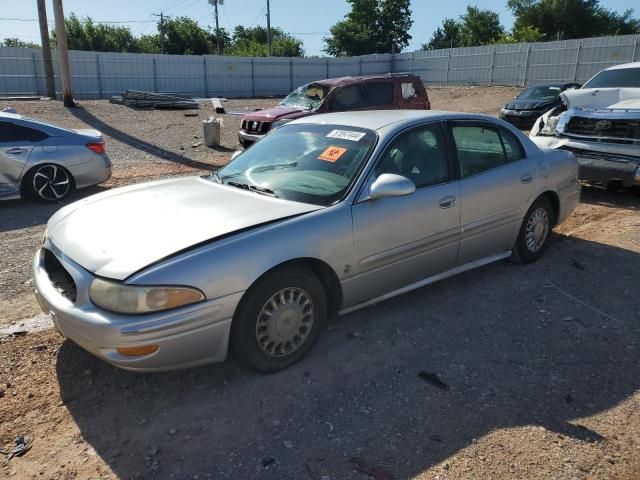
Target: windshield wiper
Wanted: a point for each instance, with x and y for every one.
(254, 188)
(275, 166)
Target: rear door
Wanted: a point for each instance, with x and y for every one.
(16, 144)
(412, 94)
(380, 95)
(401, 240)
(496, 186)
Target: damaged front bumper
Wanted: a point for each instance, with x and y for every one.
(599, 162)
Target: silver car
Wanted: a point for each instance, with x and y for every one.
(324, 215)
(45, 162)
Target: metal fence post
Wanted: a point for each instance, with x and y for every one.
(411, 63)
(575, 68)
(635, 49)
(206, 81)
(493, 61)
(526, 66)
(448, 66)
(99, 75)
(155, 76)
(291, 75)
(253, 78)
(327, 68)
(35, 73)
(360, 66)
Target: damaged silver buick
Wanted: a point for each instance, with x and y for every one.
(600, 125)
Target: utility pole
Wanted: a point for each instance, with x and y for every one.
(269, 26)
(46, 49)
(63, 55)
(161, 30)
(215, 7)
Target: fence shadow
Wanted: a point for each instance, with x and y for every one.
(510, 349)
(135, 142)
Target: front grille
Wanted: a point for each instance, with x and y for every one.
(59, 277)
(620, 131)
(254, 126)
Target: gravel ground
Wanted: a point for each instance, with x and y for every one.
(538, 366)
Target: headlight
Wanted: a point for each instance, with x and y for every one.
(122, 298)
(279, 123)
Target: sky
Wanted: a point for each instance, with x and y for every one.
(308, 20)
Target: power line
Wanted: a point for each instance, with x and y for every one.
(97, 21)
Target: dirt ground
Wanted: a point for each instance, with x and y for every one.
(539, 364)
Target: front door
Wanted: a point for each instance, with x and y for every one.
(401, 240)
(15, 147)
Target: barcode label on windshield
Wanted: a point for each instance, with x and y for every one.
(346, 135)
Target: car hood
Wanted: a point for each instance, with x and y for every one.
(529, 105)
(603, 98)
(117, 233)
(277, 113)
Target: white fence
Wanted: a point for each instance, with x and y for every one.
(100, 75)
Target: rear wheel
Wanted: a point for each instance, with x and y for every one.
(534, 232)
(48, 183)
(280, 319)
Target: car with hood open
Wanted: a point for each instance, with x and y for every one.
(325, 215)
(373, 92)
(527, 107)
(600, 124)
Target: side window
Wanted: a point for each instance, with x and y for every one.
(348, 98)
(512, 146)
(420, 155)
(10, 132)
(409, 90)
(379, 93)
(479, 149)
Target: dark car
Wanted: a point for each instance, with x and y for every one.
(524, 110)
(380, 92)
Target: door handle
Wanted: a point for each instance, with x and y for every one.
(447, 202)
(16, 150)
(526, 178)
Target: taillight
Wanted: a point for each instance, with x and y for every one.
(96, 147)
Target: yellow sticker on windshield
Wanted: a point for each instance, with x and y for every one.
(331, 154)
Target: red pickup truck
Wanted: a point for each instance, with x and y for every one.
(379, 92)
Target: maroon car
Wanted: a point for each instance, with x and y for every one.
(379, 92)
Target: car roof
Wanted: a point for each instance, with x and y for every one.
(362, 78)
(377, 119)
(624, 66)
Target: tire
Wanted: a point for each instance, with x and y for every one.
(273, 314)
(534, 232)
(48, 183)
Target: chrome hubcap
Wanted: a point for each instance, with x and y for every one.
(284, 322)
(537, 230)
(51, 182)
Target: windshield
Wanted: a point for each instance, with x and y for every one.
(304, 163)
(306, 97)
(543, 93)
(620, 78)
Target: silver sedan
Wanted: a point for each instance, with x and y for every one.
(45, 162)
(324, 215)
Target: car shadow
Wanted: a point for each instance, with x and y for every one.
(135, 142)
(24, 213)
(628, 198)
(399, 386)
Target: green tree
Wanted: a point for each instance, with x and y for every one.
(566, 19)
(183, 36)
(252, 42)
(480, 27)
(85, 34)
(16, 42)
(372, 26)
(447, 36)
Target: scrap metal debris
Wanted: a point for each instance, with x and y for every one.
(140, 99)
(433, 379)
(22, 447)
(217, 105)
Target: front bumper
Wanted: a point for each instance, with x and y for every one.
(247, 139)
(189, 336)
(598, 162)
(523, 121)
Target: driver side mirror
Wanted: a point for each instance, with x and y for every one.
(390, 185)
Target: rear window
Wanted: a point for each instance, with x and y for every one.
(621, 78)
(10, 132)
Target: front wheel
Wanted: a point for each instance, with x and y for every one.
(280, 319)
(48, 183)
(534, 232)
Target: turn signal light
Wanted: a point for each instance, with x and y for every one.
(96, 147)
(137, 351)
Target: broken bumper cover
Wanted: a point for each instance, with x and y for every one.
(185, 337)
(598, 162)
(247, 139)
